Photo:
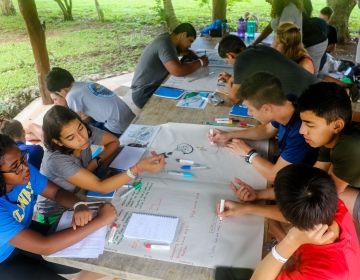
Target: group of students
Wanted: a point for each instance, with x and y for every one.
(316, 175)
(316, 178)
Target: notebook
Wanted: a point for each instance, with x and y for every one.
(168, 92)
(100, 195)
(152, 227)
(239, 111)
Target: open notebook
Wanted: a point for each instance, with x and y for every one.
(153, 228)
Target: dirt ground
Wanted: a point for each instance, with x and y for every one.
(346, 51)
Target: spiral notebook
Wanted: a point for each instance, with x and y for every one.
(152, 227)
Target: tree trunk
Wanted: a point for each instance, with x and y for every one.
(66, 8)
(340, 19)
(100, 12)
(219, 9)
(38, 45)
(7, 8)
(170, 16)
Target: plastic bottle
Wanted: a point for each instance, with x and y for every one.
(241, 27)
(224, 28)
(250, 28)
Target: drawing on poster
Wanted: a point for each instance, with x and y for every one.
(139, 135)
(185, 148)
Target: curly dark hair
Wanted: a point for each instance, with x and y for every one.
(5, 144)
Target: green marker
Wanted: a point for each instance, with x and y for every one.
(137, 185)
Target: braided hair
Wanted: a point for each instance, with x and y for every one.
(5, 143)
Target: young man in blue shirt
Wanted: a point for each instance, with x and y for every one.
(263, 95)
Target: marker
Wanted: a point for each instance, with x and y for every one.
(195, 166)
(185, 161)
(212, 135)
(127, 193)
(112, 233)
(136, 186)
(222, 207)
(156, 246)
(180, 173)
(222, 119)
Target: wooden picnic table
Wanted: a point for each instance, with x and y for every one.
(126, 267)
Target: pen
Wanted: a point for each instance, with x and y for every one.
(112, 233)
(180, 173)
(195, 166)
(222, 207)
(157, 246)
(185, 161)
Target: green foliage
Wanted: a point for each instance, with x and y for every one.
(87, 46)
(159, 9)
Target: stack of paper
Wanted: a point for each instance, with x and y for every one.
(150, 227)
(90, 247)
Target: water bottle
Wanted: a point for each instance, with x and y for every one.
(241, 28)
(250, 28)
(224, 28)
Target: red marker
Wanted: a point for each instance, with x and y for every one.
(156, 246)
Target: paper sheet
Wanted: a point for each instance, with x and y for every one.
(127, 158)
(198, 100)
(214, 59)
(139, 134)
(90, 247)
(204, 79)
(202, 240)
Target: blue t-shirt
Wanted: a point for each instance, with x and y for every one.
(36, 153)
(292, 145)
(16, 209)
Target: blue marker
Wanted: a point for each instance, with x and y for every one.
(194, 166)
(180, 173)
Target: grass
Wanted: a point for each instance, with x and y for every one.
(87, 46)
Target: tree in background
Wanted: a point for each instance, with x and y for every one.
(170, 16)
(7, 8)
(166, 12)
(100, 11)
(38, 45)
(66, 8)
(219, 9)
(340, 19)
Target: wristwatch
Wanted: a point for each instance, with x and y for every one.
(99, 160)
(249, 155)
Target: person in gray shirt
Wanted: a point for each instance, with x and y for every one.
(68, 161)
(90, 99)
(161, 58)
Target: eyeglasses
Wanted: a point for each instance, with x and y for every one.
(20, 166)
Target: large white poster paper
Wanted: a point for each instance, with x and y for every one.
(201, 240)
